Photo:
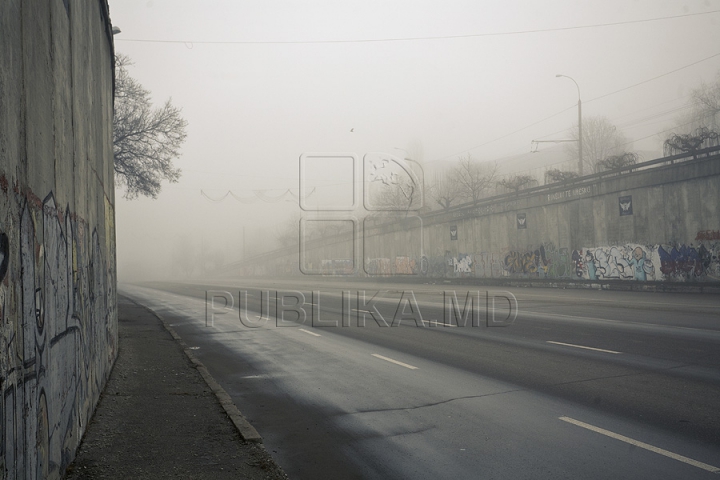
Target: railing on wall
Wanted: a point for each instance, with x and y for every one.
(471, 209)
(580, 181)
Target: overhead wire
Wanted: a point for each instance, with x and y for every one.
(486, 34)
(587, 101)
(653, 78)
(624, 114)
(423, 38)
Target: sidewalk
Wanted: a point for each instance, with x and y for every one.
(158, 418)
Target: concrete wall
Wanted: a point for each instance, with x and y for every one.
(58, 318)
(660, 222)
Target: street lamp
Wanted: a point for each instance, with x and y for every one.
(580, 156)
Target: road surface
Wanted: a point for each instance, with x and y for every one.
(583, 383)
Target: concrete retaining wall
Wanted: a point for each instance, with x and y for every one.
(659, 222)
(58, 317)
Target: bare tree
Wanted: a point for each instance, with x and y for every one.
(601, 139)
(557, 176)
(145, 139)
(444, 191)
(517, 182)
(395, 185)
(691, 142)
(706, 107)
(473, 178)
(400, 193)
(288, 232)
(618, 161)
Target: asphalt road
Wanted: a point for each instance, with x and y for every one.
(583, 383)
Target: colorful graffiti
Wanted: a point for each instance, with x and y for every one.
(649, 262)
(533, 262)
(621, 262)
(625, 262)
(687, 262)
(543, 261)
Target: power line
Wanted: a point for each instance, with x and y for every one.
(587, 101)
(409, 39)
(656, 133)
(626, 114)
(644, 120)
(654, 78)
(506, 135)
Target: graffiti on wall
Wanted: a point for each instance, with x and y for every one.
(58, 332)
(707, 235)
(541, 261)
(463, 264)
(619, 262)
(400, 265)
(688, 262)
(405, 266)
(533, 262)
(489, 265)
(378, 266)
(624, 262)
(649, 262)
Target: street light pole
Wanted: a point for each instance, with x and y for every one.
(580, 155)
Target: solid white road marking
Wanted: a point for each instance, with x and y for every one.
(311, 333)
(586, 348)
(646, 446)
(394, 361)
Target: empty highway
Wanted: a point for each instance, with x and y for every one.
(386, 381)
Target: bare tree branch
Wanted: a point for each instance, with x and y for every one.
(556, 176)
(517, 182)
(473, 178)
(444, 191)
(145, 139)
(617, 161)
(601, 139)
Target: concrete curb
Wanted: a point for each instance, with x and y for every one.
(246, 431)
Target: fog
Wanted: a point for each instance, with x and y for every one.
(262, 83)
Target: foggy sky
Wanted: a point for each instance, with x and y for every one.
(254, 108)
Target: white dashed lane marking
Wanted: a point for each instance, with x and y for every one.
(584, 347)
(309, 332)
(394, 361)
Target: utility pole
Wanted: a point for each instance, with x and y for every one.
(580, 137)
(580, 152)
